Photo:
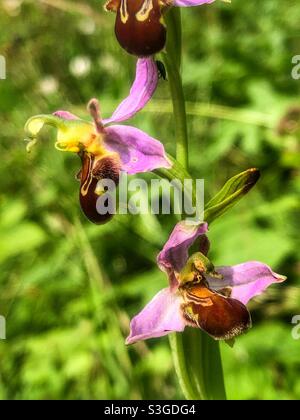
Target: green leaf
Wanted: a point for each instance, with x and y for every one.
(23, 238)
(232, 192)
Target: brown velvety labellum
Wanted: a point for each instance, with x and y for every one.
(87, 196)
(107, 168)
(139, 27)
(221, 317)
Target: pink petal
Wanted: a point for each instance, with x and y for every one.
(175, 252)
(138, 151)
(190, 3)
(141, 92)
(161, 316)
(65, 115)
(247, 280)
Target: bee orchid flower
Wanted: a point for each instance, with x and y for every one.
(200, 295)
(140, 27)
(104, 149)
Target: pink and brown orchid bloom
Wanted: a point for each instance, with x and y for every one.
(140, 27)
(200, 295)
(105, 148)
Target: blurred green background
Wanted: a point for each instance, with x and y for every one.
(68, 288)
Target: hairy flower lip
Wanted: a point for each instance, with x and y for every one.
(90, 176)
(140, 27)
(220, 316)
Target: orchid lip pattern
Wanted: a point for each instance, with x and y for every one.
(200, 295)
(140, 28)
(106, 149)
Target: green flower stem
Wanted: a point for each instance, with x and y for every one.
(182, 367)
(196, 356)
(176, 172)
(176, 175)
(172, 60)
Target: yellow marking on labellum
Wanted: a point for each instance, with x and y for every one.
(162, 21)
(203, 301)
(124, 11)
(144, 13)
(89, 177)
